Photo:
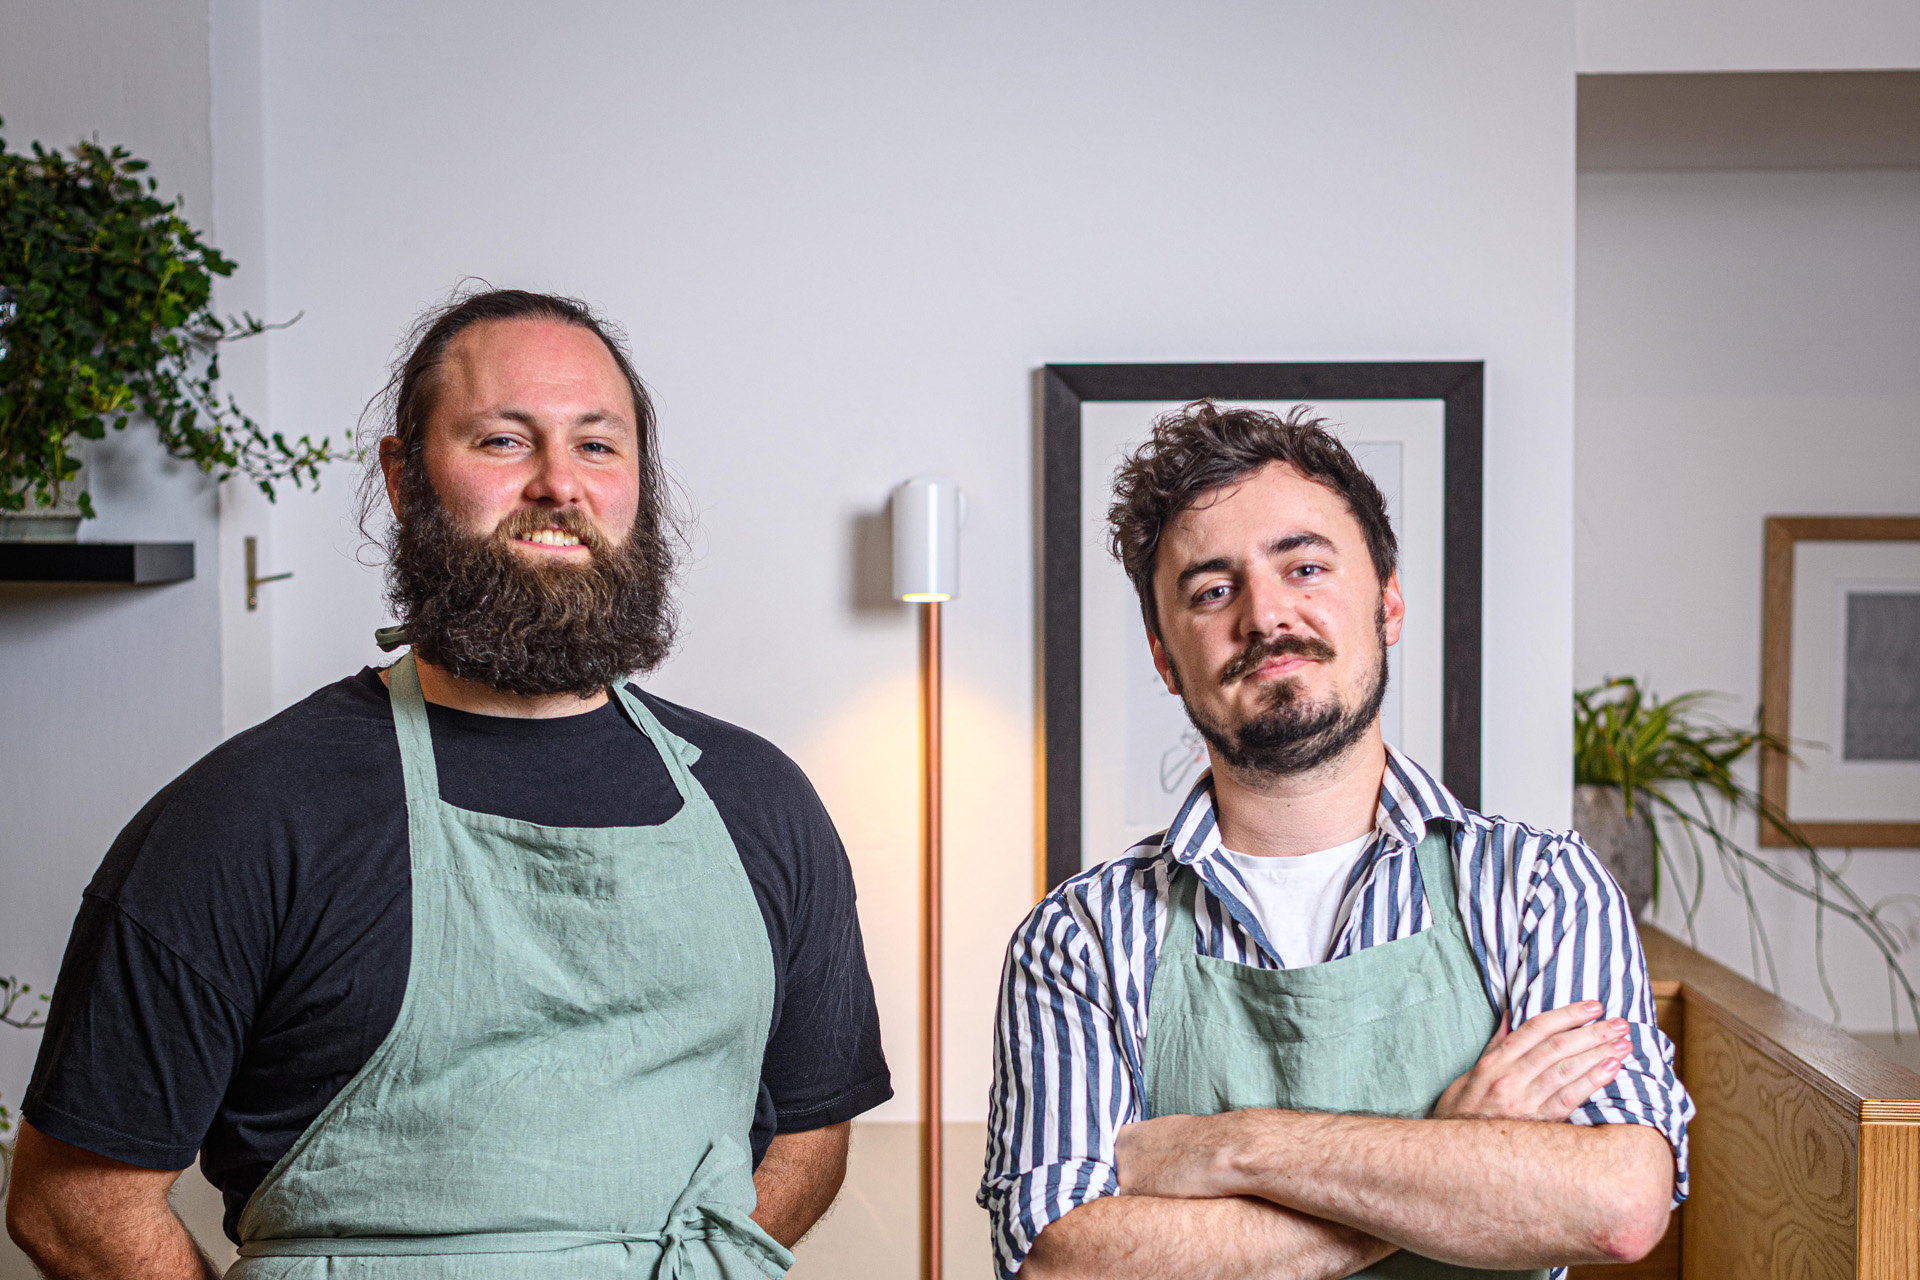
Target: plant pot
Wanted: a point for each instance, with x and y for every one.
(1624, 843)
(57, 523)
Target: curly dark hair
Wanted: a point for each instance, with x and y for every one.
(1204, 445)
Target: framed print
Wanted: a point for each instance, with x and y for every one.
(1840, 679)
(1119, 752)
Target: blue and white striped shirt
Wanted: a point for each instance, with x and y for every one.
(1547, 925)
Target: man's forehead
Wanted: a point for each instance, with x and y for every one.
(521, 359)
(1274, 502)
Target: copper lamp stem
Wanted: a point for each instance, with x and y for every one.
(930, 941)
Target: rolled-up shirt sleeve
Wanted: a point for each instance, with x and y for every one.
(1578, 942)
(1064, 1081)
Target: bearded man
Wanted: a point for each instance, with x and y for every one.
(487, 964)
(1273, 1041)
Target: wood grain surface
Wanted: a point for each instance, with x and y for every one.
(1889, 1181)
(1773, 1162)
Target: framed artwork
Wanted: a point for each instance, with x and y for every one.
(1840, 679)
(1119, 753)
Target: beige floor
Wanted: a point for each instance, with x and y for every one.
(871, 1233)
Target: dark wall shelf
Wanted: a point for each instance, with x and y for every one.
(132, 563)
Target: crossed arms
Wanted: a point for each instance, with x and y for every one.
(1490, 1179)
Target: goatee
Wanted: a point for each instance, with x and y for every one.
(1290, 735)
(480, 610)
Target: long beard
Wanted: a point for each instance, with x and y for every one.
(479, 610)
(1290, 735)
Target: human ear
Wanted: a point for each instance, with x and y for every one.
(1393, 609)
(1163, 664)
(392, 462)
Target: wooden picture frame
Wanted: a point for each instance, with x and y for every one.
(1065, 388)
(1783, 535)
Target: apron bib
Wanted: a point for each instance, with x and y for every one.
(568, 1088)
(1382, 1031)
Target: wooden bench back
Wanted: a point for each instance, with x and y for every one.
(1805, 1152)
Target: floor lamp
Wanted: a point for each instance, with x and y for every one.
(926, 571)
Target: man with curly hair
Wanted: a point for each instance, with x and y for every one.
(1274, 1041)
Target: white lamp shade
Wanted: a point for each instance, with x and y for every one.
(927, 514)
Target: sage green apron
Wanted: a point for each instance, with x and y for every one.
(570, 1083)
(1383, 1031)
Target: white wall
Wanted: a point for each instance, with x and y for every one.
(844, 235)
(1748, 35)
(1746, 347)
(105, 693)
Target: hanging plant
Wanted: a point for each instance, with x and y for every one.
(105, 313)
(31, 1019)
(1670, 762)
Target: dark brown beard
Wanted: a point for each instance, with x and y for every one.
(477, 609)
(1288, 735)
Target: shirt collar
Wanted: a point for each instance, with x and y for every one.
(1410, 798)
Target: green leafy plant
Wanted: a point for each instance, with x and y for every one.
(1669, 757)
(106, 312)
(12, 991)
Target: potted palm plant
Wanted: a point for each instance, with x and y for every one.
(106, 314)
(1641, 763)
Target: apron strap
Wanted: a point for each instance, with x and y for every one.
(693, 1217)
(1181, 942)
(1440, 878)
(410, 724)
(676, 752)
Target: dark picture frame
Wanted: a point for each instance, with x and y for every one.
(1064, 388)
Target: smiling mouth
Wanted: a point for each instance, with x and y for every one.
(549, 538)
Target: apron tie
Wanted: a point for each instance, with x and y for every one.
(692, 1218)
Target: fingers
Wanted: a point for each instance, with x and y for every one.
(1566, 1044)
(1575, 1095)
(1551, 1023)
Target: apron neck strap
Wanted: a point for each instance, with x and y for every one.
(676, 752)
(410, 723)
(1438, 877)
(416, 736)
(1181, 941)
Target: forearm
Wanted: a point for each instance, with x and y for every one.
(1146, 1238)
(1490, 1193)
(798, 1179)
(81, 1217)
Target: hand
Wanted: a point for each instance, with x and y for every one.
(1543, 1071)
(1175, 1157)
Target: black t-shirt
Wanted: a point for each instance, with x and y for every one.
(243, 949)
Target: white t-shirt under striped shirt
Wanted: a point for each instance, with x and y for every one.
(1300, 900)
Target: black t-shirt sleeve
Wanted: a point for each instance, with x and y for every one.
(823, 1062)
(130, 1013)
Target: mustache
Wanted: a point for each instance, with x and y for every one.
(1282, 646)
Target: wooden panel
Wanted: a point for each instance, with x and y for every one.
(1889, 1247)
(1822, 1055)
(1773, 1165)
